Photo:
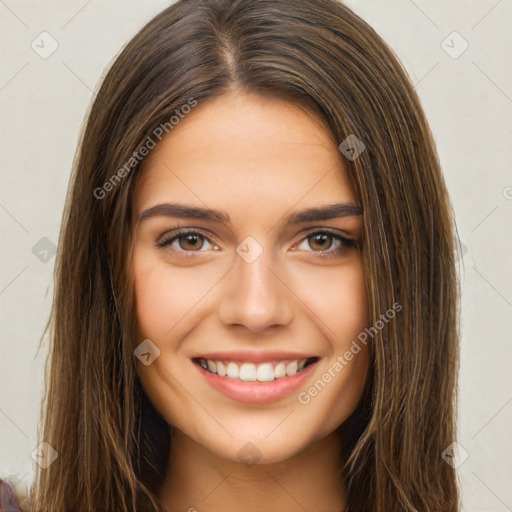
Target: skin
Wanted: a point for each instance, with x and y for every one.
(259, 159)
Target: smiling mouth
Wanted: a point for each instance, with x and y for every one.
(251, 372)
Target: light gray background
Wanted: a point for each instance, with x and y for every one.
(468, 101)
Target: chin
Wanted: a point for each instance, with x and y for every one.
(259, 447)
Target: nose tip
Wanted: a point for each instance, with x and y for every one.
(256, 296)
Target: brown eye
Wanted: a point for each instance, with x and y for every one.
(320, 241)
(192, 242)
(326, 244)
(185, 241)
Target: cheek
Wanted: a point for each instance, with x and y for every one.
(349, 302)
(338, 300)
(350, 314)
(152, 299)
(168, 299)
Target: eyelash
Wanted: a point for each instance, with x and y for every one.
(345, 243)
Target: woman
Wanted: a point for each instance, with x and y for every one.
(256, 301)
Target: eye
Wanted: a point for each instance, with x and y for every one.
(328, 243)
(185, 240)
(324, 242)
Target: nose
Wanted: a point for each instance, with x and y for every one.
(256, 295)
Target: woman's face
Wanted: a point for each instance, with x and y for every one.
(257, 288)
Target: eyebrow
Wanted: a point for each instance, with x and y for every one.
(326, 212)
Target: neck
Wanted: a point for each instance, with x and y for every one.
(197, 480)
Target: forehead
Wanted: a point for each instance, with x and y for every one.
(242, 149)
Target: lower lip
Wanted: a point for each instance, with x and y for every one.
(257, 392)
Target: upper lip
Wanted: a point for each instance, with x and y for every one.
(254, 357)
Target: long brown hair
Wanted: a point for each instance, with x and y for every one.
(111, 443)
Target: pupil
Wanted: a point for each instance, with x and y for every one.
(190, 239)
(321, 237)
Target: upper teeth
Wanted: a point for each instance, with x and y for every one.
(263, 372)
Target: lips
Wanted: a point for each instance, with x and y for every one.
(251, 377)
